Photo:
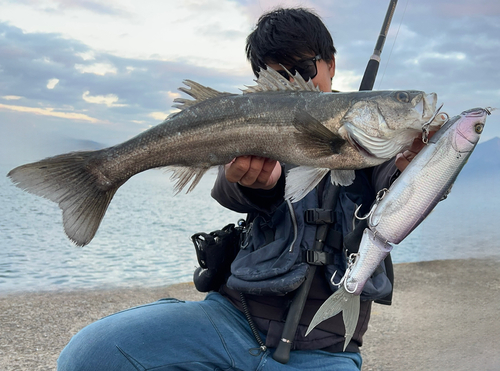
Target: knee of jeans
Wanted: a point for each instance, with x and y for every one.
(70, 358)
(90, 349)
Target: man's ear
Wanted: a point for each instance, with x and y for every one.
(331, 67)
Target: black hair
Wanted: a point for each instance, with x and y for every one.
(286, 35)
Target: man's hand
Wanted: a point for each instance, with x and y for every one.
(404, 158)
(253, 172)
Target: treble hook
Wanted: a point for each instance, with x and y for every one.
(425, 127)
(380, 195)
(333, 282)
(350, 291)
(367, 215)
(343, 280)
(350, 265)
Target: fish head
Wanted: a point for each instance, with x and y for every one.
(381, 124)
(469, 127)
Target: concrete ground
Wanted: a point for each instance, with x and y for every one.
(445, 316)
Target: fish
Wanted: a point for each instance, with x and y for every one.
(292, 122)
(397, 211)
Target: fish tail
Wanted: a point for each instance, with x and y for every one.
(341, 301)
(72, 181)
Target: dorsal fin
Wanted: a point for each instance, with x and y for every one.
(198, 92)
(270, 80)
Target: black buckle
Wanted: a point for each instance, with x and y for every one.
(319, 216)
(319, 257)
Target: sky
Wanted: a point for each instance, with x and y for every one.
(80, 72)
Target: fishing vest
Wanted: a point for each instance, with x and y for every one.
(276, 250)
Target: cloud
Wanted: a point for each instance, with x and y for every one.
(346, 80)
(62, 6)
(149, 29)
(96, 68)
(466, 8)
(159, 116)
(51, 84)
(173, 95)
(126, 72)
(48, 70)
(49, 112)
(109, 100)
(86, 56)
(11, 97)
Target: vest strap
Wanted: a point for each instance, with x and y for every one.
(334, 239)
(319, 216)
(319, 257)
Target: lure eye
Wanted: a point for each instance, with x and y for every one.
(403, 97)
(478, 128)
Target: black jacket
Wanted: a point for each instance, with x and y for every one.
(269, 312)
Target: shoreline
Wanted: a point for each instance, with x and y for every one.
(444, 316)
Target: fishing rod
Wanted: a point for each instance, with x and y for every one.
(282, 353)
(374, 62)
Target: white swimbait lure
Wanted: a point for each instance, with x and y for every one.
(401, 208)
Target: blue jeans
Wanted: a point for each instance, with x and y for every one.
(175, 335)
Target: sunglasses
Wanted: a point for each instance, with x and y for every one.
(306, 68)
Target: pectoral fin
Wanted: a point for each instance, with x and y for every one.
(342, 177)
(301, 180)
(340, 301)
(314, 137)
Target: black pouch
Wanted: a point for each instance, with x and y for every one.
(270, 260)
(215, 252)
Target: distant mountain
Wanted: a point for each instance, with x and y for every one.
(485, 159)
(30, 147)
(71, 144)
(483, 164)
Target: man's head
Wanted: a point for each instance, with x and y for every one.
(293, 38)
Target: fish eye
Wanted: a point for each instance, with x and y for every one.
(478, 128)
(403, 97)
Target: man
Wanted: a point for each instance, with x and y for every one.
(233, 329)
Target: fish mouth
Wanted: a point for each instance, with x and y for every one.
(429, 106)
(419, 107)
(425, 105)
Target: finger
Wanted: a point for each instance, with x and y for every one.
(270, 174)
(416, 145)
(237, 168)
(253, 172)
(409, 155)
(401, 161)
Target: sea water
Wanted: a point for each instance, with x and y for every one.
(144, 239)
